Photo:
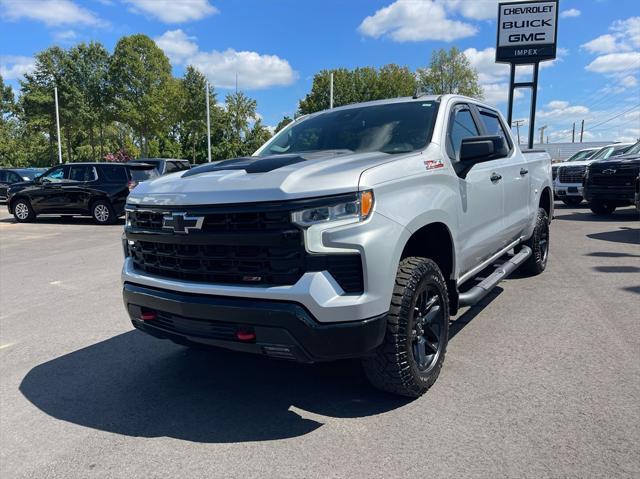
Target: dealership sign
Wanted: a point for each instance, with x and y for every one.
(527, 31)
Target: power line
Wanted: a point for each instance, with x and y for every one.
(613, 117)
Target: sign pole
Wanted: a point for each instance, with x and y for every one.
(534, 97)
(512, 80)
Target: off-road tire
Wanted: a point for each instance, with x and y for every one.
(572, 200)
(602, 208)
(393, 367)
(537, 262)
(22, 211)
(103, 213)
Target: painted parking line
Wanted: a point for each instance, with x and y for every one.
(8, 345)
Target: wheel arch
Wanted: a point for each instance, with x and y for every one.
(546, 201)
(435, 241)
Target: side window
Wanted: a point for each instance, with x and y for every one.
(171, 167)
(494, 127)
(55, 175)
(462, 126)
(114, 173)
(3, 176)
(82, 173)
(13, 177)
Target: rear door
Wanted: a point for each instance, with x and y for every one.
(481, 198)
(515, 178)
(80, 187)
(4, 185)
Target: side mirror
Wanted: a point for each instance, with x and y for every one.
(477, 149)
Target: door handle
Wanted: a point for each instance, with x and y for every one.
(495, 177)
(523, 171)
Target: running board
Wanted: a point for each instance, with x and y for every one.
(475, 294)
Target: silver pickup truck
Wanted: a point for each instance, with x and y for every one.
(353, 232)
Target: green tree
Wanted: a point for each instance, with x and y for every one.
(358, 85)
(450, 72)
(282, 123)
(193, 118)
(140, 73)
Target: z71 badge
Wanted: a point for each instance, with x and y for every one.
(433, 164)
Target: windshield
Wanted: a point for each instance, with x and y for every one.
(604, 153)
(583, 155)
(634, 150)
(28, 173)
(391, 128)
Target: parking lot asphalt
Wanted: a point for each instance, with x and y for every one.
(542, 379)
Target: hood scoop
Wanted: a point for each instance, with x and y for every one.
(249, 164)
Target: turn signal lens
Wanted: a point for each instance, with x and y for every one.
(366, 203)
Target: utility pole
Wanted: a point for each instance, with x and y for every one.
(331, 90)
(573, 134)
(517, 124)
(542, 128)
(55, 92)
(581, 131)
(209, 122)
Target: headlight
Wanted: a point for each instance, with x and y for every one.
(357, 209)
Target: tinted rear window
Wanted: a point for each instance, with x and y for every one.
(142, 175)
(114, 173)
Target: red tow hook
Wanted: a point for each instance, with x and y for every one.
(245, 335)
(146, 315)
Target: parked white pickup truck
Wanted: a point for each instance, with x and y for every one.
(353, 232)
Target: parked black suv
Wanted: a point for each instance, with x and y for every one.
(99, 190)
(9, 176)
(164, 166)
(610, 183)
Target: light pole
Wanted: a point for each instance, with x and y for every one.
(55, 93)
(208, 124)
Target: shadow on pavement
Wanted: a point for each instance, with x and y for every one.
(628, 214)
(632, 289)
(60, 220)
(621, 235)
(617, 269)
(612, 254)
(136, 385)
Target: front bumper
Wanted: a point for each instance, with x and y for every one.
(618, 194)
(562, 190)
(285, 330)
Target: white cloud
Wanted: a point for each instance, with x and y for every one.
(12, 67)
(560, 109)
(49, 12)
(624, 36)
(572, 12)
(414, 21)
(614, 62)
(254, 71)
(177, 45)
(629, 81)
(65, 36)
(496, 93)
(474, 9)
(174, 11)
(603, 44)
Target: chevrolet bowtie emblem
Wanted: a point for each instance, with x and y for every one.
(609, 172)
(181, 223)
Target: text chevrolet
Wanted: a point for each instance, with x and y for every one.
(354, 232)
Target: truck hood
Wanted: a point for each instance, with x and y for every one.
(268, 178)
(573, 163)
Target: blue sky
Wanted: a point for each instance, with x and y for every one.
(276, 47)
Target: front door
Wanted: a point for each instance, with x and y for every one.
(481, 194)
(48, 197)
